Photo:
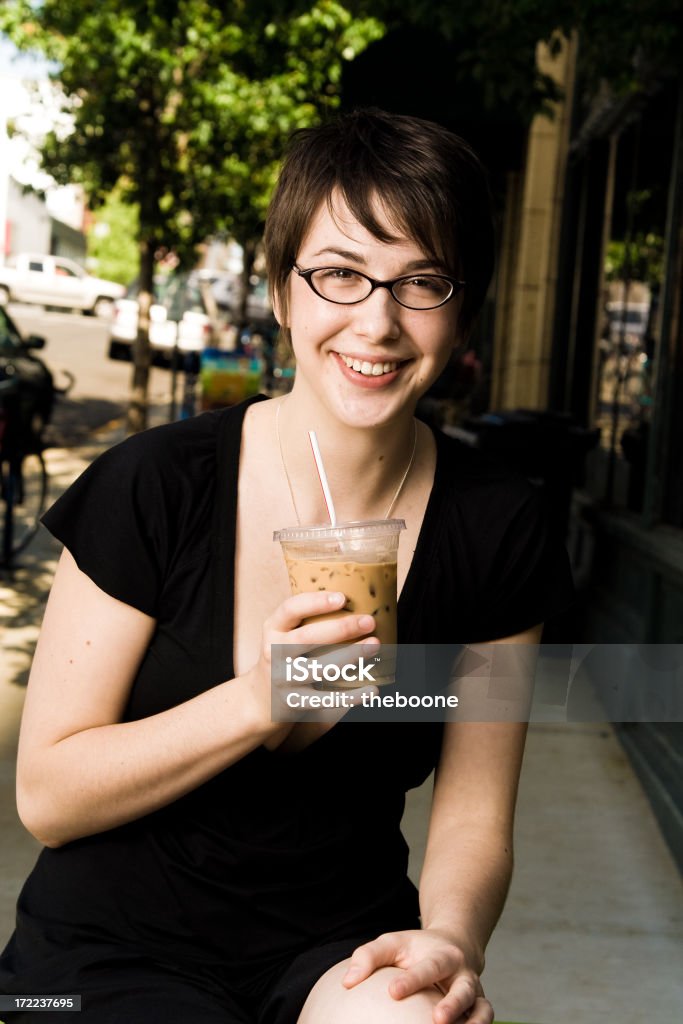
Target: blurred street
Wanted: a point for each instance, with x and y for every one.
(78, 344)
(594, 922)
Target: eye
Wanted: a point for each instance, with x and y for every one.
(337, 274)
(427, 283)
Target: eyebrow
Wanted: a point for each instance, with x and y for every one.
(355, 257)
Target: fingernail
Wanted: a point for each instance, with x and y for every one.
(336, 598)
(352, 974)
(366, 622)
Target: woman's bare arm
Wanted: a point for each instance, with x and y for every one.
(80, 769)
(468, 862)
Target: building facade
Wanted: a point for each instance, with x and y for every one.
(588, 324)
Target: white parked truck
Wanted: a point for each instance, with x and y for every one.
(56, 281)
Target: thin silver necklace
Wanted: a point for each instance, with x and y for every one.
(289, 482)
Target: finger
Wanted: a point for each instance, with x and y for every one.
(313, 609)
(346, 629)
(349, 651)
(342, 654)
(481, 1013)
(426, 972)
(462, 997)
(337, 654)
(290, 613)
(348, 667)
(381, 952)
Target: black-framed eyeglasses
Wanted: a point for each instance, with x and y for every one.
(347, 287)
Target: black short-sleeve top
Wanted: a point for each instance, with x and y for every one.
(274, 837)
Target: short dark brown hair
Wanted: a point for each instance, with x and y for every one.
(431, 183)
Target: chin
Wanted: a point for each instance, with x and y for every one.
(364, 413)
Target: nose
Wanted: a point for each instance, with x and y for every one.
(378, 317)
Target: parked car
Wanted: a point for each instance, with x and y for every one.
(26, 387)
(179, 317)
(56, 281)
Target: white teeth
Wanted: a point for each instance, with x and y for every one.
(369, 369)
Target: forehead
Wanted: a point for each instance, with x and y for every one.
(334, 226)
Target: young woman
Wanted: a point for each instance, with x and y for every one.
(202, 862)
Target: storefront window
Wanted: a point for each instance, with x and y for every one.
(625, 388)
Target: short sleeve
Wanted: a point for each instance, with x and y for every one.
(529, 579)
(114, 521)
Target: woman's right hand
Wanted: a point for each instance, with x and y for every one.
(301, 625)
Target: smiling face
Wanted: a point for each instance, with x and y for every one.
(371, 361)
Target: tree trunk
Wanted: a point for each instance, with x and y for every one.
(137, 410)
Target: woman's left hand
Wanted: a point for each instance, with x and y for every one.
(429, 958)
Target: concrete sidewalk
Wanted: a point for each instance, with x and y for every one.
(593, 926)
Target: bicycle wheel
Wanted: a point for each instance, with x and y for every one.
(24, 495)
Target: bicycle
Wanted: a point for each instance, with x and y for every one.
(23, 472)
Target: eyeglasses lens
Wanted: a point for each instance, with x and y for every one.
(341, 285)
(423, 292)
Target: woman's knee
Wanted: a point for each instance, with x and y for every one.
(366, 1003)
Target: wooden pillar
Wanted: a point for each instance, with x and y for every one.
(529, 252)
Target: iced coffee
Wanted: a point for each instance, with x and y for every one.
(357, 559)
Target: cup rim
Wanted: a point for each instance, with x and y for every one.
(342, 531)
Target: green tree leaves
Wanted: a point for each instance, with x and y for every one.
(185, 105)
(112, 244)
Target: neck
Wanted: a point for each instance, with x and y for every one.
(364, 465)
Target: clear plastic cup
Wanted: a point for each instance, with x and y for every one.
(357, 559)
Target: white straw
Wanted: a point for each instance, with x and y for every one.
(323, 477)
